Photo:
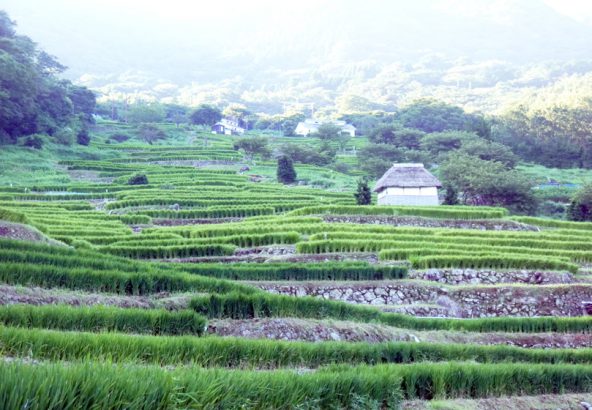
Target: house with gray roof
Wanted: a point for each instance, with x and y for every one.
(407, 184)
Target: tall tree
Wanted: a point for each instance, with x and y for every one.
(205, 115)
(363, 194)
(328, 132)
(253, 146)
(286, 174)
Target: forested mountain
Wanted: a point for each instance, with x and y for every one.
(478, 54)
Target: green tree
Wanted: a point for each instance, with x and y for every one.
(490, 151)
(580, 207)
(205, 115)
(238, 112)
(442, 142)
(32, 98)
(253, 146)
(286, 174)
(451, 196)
(481, 182)
(407, 138)
(328, 132)
(375, 159)
(145, 113)
(363, 194)
(551, 134)
(436, 116)
(150, 133)
(306, 154)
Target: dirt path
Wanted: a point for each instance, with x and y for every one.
(10, 230)
(547, 402)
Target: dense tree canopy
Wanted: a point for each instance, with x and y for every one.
(252, 146)
(205, 115)
(306, 154)
(32, 98)
(481, 182)
(436, 116)
(146, 113)
(554, 135)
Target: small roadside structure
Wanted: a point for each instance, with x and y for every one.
(227, 127)
(407, 184)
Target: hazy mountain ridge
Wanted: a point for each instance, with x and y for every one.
(320, 52)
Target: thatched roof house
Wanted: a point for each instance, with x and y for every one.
(407, 184)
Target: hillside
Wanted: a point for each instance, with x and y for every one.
(385, 205)
(405, 304)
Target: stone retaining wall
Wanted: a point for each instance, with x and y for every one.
(490, 277)
(456, 301)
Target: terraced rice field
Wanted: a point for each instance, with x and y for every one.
(215, 288)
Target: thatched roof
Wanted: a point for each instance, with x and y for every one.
(406, 176)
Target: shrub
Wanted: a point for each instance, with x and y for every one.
(138, 179)
(83, 138)
(34, 141)
(580, 207)
(119, 137)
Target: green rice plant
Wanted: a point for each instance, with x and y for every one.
(553, 223)
(41, 344)
(93, 385)
(26, 263)
(452, 212)
(299, 271)
(165, 252)
(85, 385)
(13, 216)
(101, 318)
(492, 261)
(211, 212)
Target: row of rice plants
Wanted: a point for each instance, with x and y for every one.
(211, 212)
(356, 271)
(211, 351)
(243, 241)
(553, 223)
(451, 212)
(529, 242)
(169, 252)
(53, 386)
(24, 263)
(103, 318)
(492, 261)
(408, 251)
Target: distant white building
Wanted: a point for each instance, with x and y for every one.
(311, 126)
(407, 184)
(228, 127)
